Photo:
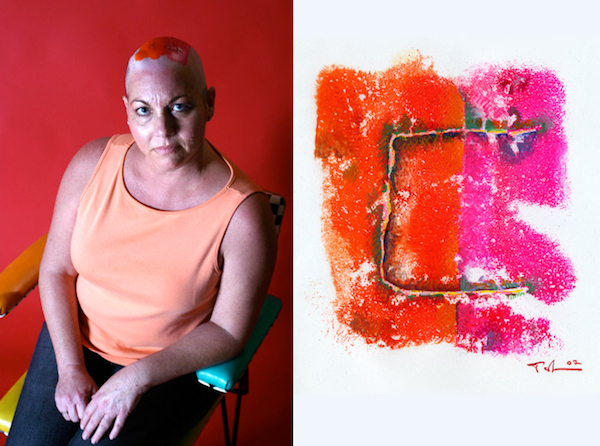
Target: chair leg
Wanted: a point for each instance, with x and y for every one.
(240, 390)
(225, 422)
(236, 420)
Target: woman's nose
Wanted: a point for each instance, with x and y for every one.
(166, 124)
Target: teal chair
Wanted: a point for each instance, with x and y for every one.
(21, 276)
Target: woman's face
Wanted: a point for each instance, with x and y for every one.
(167, 110)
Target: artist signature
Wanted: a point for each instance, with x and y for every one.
(571, 366)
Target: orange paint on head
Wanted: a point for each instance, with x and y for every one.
(175, 49)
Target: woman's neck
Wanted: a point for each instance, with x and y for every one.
(179, 187)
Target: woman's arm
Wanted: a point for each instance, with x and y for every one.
(248, 251)
(57, 286)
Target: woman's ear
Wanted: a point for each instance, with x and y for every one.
(210, 103)
(126, 102)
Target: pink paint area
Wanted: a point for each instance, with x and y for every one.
(532, 166)
(492, 326)
(519, 158)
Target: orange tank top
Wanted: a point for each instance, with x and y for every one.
(146, 277)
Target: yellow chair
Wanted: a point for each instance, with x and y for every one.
(21, 276)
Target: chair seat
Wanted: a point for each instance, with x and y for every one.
(8, 404)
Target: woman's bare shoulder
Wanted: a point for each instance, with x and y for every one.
(87, 157)
(252, 227)
(82, 166)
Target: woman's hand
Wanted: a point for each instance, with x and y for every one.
(73, 392)
(111, 405)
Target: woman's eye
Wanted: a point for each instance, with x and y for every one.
(142, 111)
(180, 107)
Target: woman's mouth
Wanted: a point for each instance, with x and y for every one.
(165, 150)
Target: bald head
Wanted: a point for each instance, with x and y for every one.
(165, 52)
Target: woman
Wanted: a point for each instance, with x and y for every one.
(159, 254)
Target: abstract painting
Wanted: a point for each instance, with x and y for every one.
(425, 181)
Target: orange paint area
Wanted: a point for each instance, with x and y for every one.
(425, 176)
(175, 49)
(369, 242)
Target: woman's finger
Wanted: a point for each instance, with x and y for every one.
(89, 421)
(103, 426)
(119, 423)
(68, 412)
(65, 414)
(79, 408)
(72, 413)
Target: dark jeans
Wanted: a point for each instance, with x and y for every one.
(164, 415)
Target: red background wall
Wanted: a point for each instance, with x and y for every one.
(61, 81)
